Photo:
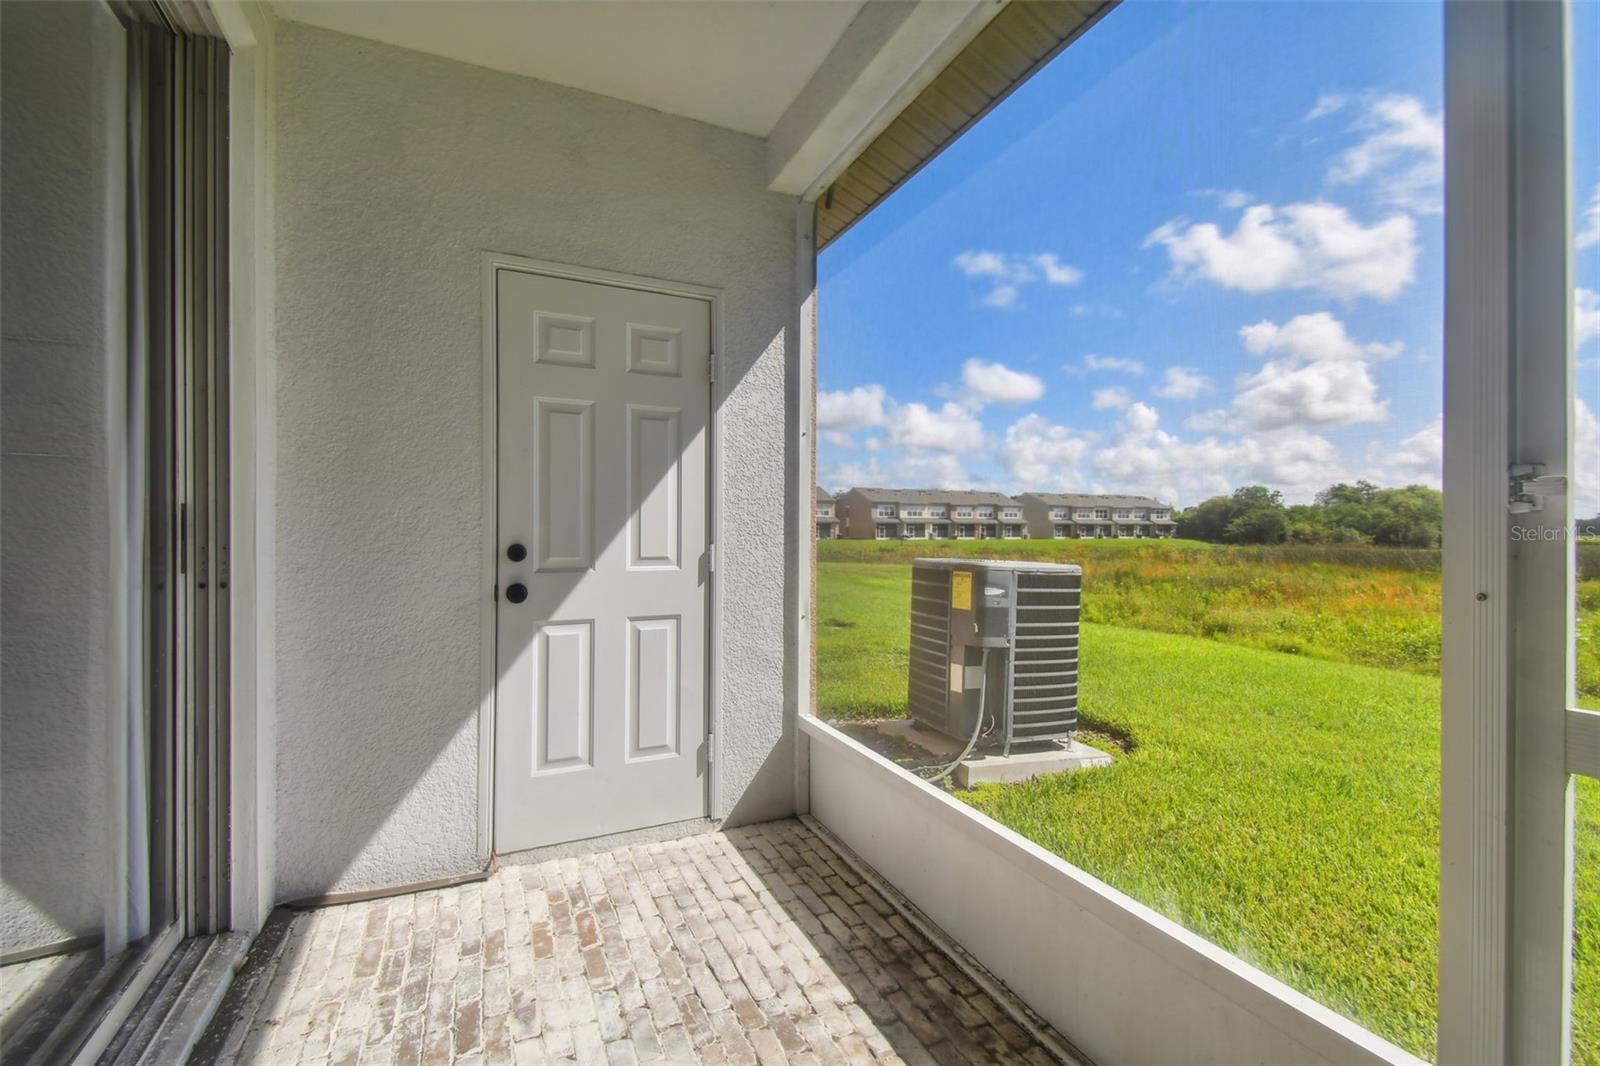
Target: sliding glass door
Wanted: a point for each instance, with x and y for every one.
(112, 517)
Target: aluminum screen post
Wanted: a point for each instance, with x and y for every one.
(1506, 862)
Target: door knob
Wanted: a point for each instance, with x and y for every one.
(516, 592)
(516, 553)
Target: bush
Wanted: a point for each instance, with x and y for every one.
(1410, 517)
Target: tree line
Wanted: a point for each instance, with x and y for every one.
(1362, 513)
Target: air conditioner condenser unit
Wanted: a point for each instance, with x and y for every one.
(996, 639)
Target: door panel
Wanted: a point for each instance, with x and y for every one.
(563, 470)
(654, 511)
(653, 688)
(604, 410)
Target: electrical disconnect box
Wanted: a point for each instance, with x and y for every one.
(995, 639)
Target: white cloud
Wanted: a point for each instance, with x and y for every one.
(1402, 152)
(1585, 316)
(1232, 199)
(1113, 398)
(1038, 453)
(1001, 296)
(911, 471)
(859, 408)
(1321, 377)
(997, 383)
(1586, 461)
(1320, 394)
(1141, 419)
(952, 428)
(1417, 460)
(1007, 274)
(1143, 457)
(1317, 337)
(1589, 231)
(1099, 310)
(1114, 364)
(1313, 246)
(1055, 271)
(917, 427)
(1326, 105)
(1182, 383)
(982, 264)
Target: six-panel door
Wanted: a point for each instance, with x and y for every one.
(604, 407)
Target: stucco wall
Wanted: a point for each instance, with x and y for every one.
(394, 172)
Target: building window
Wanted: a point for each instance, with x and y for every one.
(884, 510)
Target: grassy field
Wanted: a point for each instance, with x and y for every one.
(1372, 606)
(1285, 806)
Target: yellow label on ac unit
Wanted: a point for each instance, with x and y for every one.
(961, 591)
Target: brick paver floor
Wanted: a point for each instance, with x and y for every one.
(758, 945)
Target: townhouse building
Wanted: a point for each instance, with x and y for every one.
(929, 514)
(1092, 515)
(827, 515)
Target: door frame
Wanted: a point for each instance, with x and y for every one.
(491, 264)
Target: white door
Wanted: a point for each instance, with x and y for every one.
(604, 406)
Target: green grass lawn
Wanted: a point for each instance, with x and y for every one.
(1285, 806)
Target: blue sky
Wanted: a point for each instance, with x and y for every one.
(1202, 248)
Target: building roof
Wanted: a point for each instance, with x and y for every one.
(823, 495)
(1085, 499)
(962, 496)
(1018, 40)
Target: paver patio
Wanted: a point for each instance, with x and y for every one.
(762, 944)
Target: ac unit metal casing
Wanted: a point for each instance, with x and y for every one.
(1028, 614)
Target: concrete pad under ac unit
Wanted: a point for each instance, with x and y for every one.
(992, 768)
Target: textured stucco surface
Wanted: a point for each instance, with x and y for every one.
(62, 183)
(395, 171)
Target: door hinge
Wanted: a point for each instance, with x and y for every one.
(711, 558)
(1530, 486)
(711, 368)
(711, 747)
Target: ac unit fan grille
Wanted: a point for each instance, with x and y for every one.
(926, 700)
(1044, 660)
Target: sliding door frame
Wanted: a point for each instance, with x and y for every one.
(177, 504)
